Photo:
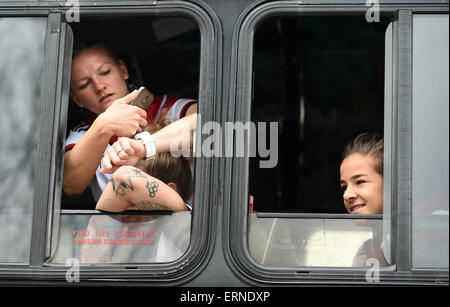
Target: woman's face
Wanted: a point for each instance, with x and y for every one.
(97, 80)
(362, 185)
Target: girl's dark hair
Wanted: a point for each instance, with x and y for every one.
(367, 144)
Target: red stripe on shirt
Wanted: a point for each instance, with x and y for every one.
(186, 107)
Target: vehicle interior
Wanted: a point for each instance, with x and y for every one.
(322, 79)
(161, 53)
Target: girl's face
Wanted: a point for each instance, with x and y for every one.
(97, 80)
(362, 185)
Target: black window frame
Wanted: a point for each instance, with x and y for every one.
(237, 213)
(52, 132)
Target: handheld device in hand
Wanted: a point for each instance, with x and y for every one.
(143, 100)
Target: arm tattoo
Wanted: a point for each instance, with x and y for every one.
(135, 170)
(122, 186)
(152, 188)
(146, 205)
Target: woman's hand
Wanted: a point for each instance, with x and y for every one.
(124, 151)
(123, 119)
(80, 163)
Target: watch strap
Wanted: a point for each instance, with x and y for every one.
(149, 143)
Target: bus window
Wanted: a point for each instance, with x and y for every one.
(162, 54)
(21, 61)
(322, 79)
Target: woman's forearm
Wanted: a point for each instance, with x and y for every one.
(176, 134)
(130, 186)
(82, 161)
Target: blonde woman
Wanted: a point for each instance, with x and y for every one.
(99, 84)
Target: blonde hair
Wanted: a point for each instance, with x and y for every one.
(168, 168)
(80, 46)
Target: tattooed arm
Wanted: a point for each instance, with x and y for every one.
(130, 187)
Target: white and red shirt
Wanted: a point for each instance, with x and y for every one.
(173, 108)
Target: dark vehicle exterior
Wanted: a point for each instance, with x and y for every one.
(228, 58)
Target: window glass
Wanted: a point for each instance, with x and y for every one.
(21, 59)
(430, 135)
(316, 241)
(125, 238)
(322, 80)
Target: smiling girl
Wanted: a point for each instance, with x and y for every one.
(362, 174)
(362, 186)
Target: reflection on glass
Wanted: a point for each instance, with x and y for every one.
(430, 240)
(101, 238)
(21, 59)
(294, 242)
(430, 135)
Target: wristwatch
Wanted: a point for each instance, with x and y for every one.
(149, 143)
